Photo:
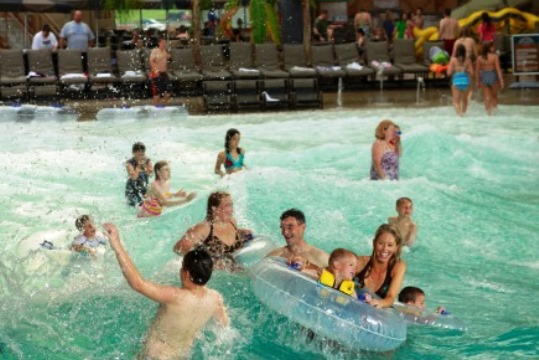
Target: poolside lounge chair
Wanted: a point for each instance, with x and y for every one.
(217, 95)
(131, 70)
(70, 70)
(246, 94)
(405, 57)
(12, 74)
(241, 63)
(100, 66)
(295, 62)
(348, 58)
(305, 93)
(324, 63)
(275, 94)
(42, 78)
(378, 52)
(183, 69)
(267, 62)
(213, 63)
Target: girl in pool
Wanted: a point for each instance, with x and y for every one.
(489, 76)
(232, 157)
(218, 234)
(139, 170)
(385, 153)
(460, 67)
(383, 271)
(159, 194)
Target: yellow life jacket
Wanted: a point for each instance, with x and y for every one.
(328, 279)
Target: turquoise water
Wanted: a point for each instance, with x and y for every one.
(474, 182)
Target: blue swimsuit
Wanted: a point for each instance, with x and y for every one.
(231, 164)
(461, 80)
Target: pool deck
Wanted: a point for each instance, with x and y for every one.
(393, 96)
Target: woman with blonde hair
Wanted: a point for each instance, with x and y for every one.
(383, 271)
(385, 152)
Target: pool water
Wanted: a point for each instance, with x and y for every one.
(474, 182)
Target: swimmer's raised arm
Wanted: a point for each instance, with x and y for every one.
(192, 237)
(220, 316)
(157, 293)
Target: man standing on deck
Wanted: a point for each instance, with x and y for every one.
(161, 86)
(449, 28)
(77, 34)
(297, 252)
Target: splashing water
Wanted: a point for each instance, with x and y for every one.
(473, 180)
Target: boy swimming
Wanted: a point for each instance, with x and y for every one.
(183, 311)
(342, 268)
(415, 297)
(404, 223)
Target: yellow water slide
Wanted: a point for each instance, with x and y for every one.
(517, 20)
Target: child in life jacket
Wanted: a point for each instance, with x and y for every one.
(342, 268)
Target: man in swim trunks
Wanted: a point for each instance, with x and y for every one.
(309, 259)
(161, 86)
(183, 311)
(449, 28)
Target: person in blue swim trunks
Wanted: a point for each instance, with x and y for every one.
(232, 158)
(89, 239)
(461, 70)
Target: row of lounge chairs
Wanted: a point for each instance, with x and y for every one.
(245, 61)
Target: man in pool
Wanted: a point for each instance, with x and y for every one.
(297, 251)
(183, 311)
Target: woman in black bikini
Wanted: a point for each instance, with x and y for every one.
(383, 271)
(218, 234)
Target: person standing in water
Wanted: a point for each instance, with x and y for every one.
(159, 194)
(139, 169)
(489, 76)
(403, 222)
(233, 156)
(183, 311)
(461, 70)
(385, 153)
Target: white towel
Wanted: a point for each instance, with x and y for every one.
(382, 65)
(106, 74)
(132, 73)
(73, 76)
(329, 68)
(354, 66)
(248, 70)
(302, 68)
(34, 74)
(268, 97)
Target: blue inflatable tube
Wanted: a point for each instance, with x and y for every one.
(415, 316)
(325, 311)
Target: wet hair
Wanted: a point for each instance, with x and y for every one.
(138, 146)
(81, 220)
(339, 254)
(199, 264)
(447, 12)
(295, 213)
(46, 28)
(461, 53)
(485, 49)
(382, 126)
(409, 294)
(158, 166)
(401, 200)
(214, 200)
(229, 135)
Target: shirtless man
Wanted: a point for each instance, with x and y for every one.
(466, 39)
(363, 20)
(403, 222)
(183, 312)
(449, 28)
(308, 258)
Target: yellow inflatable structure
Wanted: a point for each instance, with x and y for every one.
(517, 20)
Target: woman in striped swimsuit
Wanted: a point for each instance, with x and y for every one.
(489, 76)
(461, 68)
